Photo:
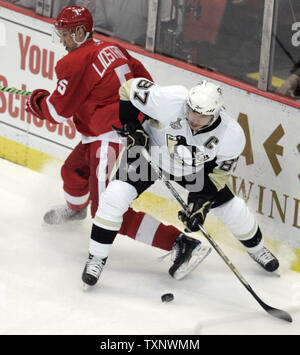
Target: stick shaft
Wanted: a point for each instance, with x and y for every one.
(15, 91)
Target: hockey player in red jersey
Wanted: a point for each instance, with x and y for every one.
(88, 82)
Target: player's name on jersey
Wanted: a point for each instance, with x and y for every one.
(106, 57)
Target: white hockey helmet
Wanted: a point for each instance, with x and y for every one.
(206, 99)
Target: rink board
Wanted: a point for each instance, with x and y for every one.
(268, 173)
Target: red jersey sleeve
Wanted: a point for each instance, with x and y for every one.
(73, 86)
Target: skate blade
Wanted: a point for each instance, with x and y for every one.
(276, 273)
(187, 268)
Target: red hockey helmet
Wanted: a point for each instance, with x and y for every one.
(71, 17)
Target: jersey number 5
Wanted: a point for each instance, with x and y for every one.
(121, 72)
(62, 86)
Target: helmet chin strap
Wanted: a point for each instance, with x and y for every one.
(77, 42)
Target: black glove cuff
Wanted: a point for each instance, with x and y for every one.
(131, 127)
(196, 197)
(128, 114)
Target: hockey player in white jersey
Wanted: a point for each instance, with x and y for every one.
(192, 139)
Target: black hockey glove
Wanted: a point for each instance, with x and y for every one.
(198, 209)
(135, 135)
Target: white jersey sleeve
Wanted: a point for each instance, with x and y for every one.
(233, 141)
(159, 103)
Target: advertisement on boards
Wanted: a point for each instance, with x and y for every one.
(30, 59)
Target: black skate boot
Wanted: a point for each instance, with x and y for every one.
(265, 259)
(63, 214)
(92, 270)
(188, 254)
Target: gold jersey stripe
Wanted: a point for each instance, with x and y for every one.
(124, 90)
(219, 178)
(249, 234)
(105, 222)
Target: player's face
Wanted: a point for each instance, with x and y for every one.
(197, 120)
(67, 40)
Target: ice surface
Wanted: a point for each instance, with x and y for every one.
(41, 290)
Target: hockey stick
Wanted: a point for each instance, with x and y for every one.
(272, 311)
(15, 91)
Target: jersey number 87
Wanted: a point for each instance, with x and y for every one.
(143, 85)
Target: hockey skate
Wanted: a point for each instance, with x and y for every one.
(265, 259)
(63, 214)
(188, 253)
(92, 271)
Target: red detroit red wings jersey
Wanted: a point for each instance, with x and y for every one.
(88, 85)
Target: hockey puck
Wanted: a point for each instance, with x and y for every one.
(167, 297)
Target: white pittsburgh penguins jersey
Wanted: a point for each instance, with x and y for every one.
(174, 146)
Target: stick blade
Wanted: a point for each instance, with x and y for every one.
(278, 313)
